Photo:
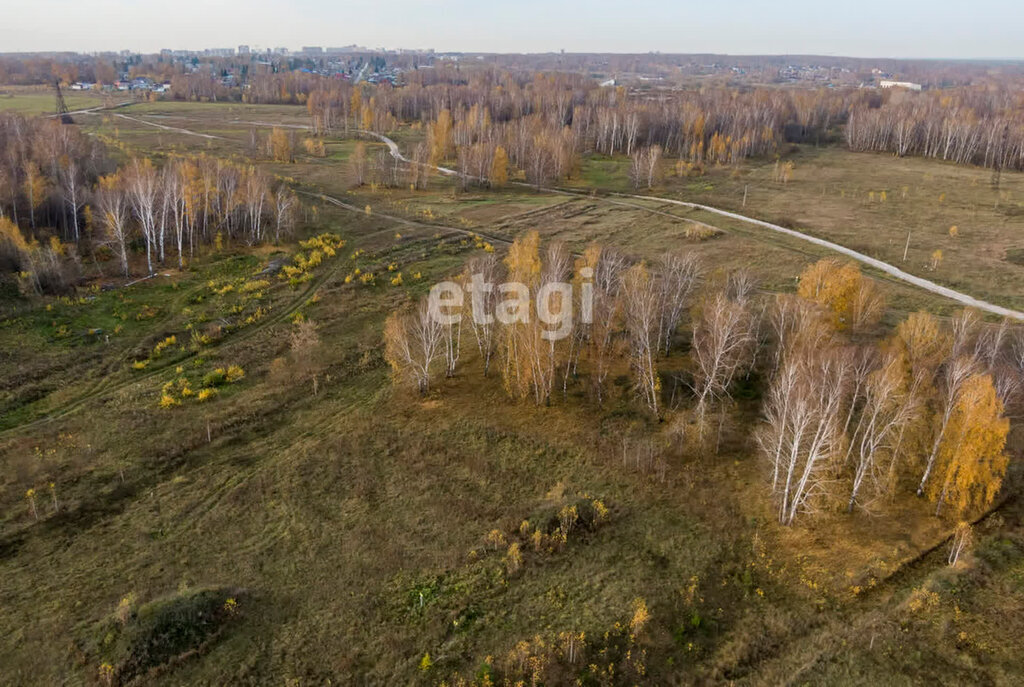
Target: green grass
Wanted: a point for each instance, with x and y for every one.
(602, 171)
(139, 640)
(40, 100)
(837, 195)
(350, 518)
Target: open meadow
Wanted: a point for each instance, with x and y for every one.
(39, 100)
(198, 489)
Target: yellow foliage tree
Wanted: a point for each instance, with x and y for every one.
(971, 459)
(35, 189)
(367, 115)
(853, 300)
(523, 259)
(280, 145)
(920, 346)
(518, 340)
(499, 168)
(356, 102)
(10, 234)
(920, 341)
(783, 171)
(439, 136)
(357, 162)
(315, 147)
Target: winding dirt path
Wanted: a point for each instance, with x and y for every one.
(880, 265)
(175, 129)
(877, 264)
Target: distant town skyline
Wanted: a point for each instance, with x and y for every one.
(986, 29)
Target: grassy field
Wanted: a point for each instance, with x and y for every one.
(871, 203)
(35, 100)
(867, 202)
(313, 524)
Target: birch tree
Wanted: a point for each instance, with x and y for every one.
(885, 404)
(481, 277)
(608, 267)
(802, 432)
(679, 277)
(640, 304)
(285, 203)
(74, 190)
(412, 344)
(724, 343)
(255, 191)
(795, 324)
(851, 298)
(542, 345)
(963, 538)
(955, 373)
(519, 338)
(971, 461)
(174, 197)
(115, 216)
(141, 183)
(451, 335)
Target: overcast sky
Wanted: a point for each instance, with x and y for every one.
(868, 28)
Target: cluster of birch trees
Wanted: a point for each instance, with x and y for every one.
(46, 171)
(635, 309)
(850, 423)
(620, 316)
(966, 126)
(544, 122)
(52, 178)
(187, 203)
(541, 127)
(849, 419)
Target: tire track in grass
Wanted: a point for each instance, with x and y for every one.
(875, 263)
(880, 265)
(800, 653)
(405, 221)
(105, 388)
(854, 617)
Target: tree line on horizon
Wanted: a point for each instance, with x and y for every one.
(544, 122)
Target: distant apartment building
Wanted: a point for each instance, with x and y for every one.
(243, 50)
(910, 86)
(347, 49)
(312, 50)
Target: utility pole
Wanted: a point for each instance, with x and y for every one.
(62, 107)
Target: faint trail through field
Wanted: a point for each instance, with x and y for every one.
(104, 386)
(175, 129)
(92, 110)
(407, 222)
(882, 266)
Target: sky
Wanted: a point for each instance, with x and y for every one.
(982, 29)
